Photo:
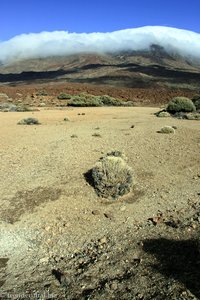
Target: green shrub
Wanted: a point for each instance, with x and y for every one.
(196, 101)
(81, 101)
(162, 114)
(192, 116)
(180, 104)
(23, 108)
(167, 130)
(112, 177)
(86, 100)
(41, 93)
(29, 121)
(64, 96)
(110, 101)
(7, 107)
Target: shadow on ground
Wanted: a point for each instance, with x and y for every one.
(177, 259)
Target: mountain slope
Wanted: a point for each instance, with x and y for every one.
(147, 68)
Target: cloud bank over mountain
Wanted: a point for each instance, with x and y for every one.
(60, 43)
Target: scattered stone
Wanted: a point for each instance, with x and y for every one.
(95, 212)
(44, 260)
(108, 215)
(42, 104)
(123, 208)
(103, 240)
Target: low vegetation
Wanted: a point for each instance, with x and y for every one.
(111, 176)
(64, 96)
(42, 93)
(29, 121)
(167, 130)
(180, 104)
(87, 100)
(182, 108)
(9, 107)
(163, 114)
(196, 101)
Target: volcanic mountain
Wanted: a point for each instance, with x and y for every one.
(134, 62)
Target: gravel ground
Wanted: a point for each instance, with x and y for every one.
(59, 240)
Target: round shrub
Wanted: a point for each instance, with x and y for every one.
(180, 104)
(162, 114)
(112, 177)
(29, 121)
(167, 129)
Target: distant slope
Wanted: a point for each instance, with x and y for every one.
(134, 69)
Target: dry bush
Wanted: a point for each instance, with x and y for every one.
(112, 177)
(167, 129)
(29, 121)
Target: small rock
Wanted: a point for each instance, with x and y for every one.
(114, 286)
(95, 212)
(123, 208)
(44, 260)
(103, 240)
(108, 215)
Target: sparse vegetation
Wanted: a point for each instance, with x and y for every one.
(73, 136)
(196, 101)
(86, 100)
(112, 177)
(110, 101)
(64, 96)
(42, 93)
(192, 116)
(29, 121)
(180, 104)
(167, 130)
(66, 119)
(163, 114)
(9, 107)
(23, 108)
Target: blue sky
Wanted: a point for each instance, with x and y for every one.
(25, 16)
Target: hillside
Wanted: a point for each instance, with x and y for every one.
(131, 69)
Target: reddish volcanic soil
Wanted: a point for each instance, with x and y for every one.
(144, 97)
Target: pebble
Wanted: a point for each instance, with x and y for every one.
(123, 208)
(103, 240)
(44, 260)
(95, 212)
(108, 215)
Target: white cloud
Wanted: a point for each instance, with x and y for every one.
(46, 44)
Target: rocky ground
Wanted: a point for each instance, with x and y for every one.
(59, 240)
